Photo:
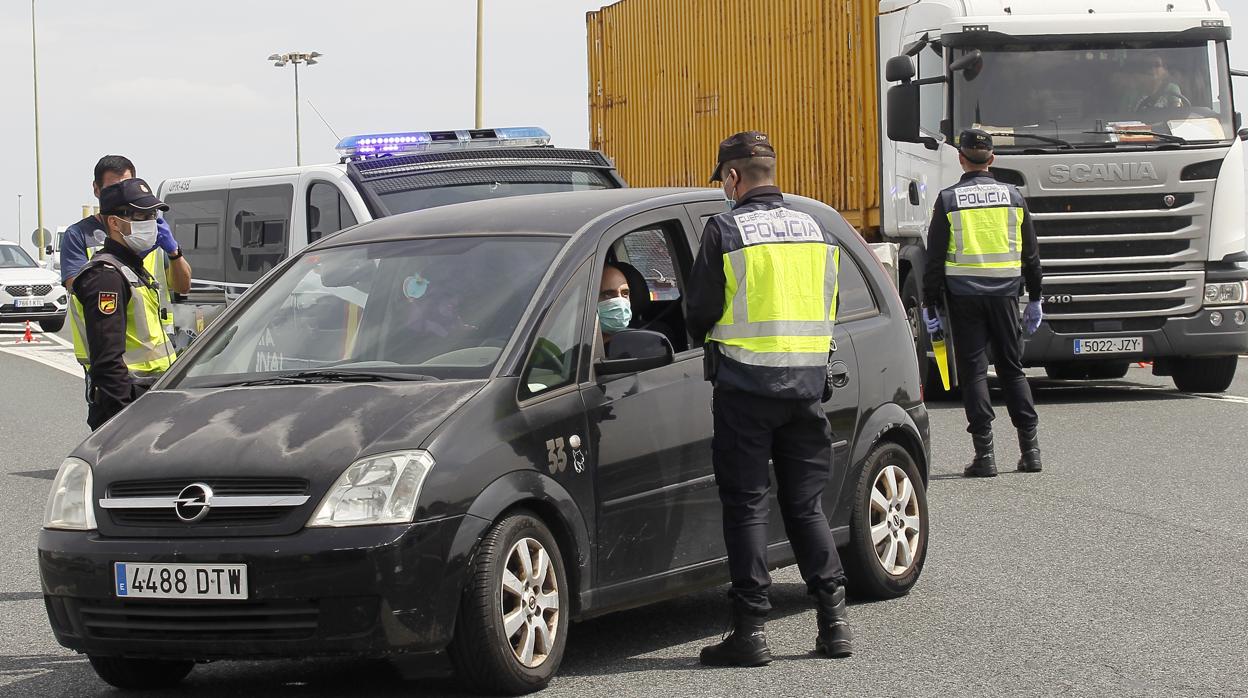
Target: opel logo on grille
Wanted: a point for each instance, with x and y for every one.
(193, 502)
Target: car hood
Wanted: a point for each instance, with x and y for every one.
(306, 431)
(28, 275)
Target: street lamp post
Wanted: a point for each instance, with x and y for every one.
(480, 56)
(34, 52)
(19, 218)
(280, 60)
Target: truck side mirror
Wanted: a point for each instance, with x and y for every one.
(903, 112)
(1243, 134)
(970, 64)
(899, 69)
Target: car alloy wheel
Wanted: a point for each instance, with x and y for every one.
(530, 602)
(895, 521)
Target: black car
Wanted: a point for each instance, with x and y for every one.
(409, 438)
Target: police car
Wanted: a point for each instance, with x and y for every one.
(234, 228)
(29, 292)
(409, 437)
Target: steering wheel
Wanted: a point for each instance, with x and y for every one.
(547, 355)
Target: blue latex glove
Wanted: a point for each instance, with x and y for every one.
(1032, 317)
(164, 236)
(932, 319)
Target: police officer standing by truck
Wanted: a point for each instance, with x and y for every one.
(126, 346)
(762, 292)
(981, 249)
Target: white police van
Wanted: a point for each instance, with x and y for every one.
(234, 228)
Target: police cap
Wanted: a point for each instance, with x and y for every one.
(129, 195)
(976, 145)
(747, 144)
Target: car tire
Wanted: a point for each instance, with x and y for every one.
(1067, 371)
(140, 674)
(507, 589)
(929, 374)
(881, 519)
(52, 325)
(1204, 375)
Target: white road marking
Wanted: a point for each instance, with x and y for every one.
(57, 353)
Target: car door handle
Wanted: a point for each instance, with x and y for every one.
(840, 374)
(913, 190)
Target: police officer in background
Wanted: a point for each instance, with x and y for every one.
(126, 346)
(981, 248)
(767, 352)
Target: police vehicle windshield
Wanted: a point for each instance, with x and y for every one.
(14, 257)
(416, 309)
(1105, 95)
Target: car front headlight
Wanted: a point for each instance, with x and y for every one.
(379, 489)
(69, 504)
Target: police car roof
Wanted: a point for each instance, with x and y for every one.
(564, 213)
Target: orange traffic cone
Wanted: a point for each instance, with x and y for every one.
(27, 337)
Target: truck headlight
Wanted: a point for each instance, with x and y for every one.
(375, 490)
(69, 504)
(1233, 293)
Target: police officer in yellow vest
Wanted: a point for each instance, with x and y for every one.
(981, 248)
(126, 346)
(762, 292)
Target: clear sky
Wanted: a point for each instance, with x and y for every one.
(183, 88)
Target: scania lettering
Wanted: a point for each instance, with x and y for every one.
(234, 228)
(1115, 120)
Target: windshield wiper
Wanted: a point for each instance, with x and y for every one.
(333, 376)
(1168, 137)
(1042, 139)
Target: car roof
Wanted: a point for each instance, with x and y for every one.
(562, 213)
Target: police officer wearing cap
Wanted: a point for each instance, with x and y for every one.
(981, 251)
(126, 346)
(767, 350)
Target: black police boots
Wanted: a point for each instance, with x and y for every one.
(835, 638)
(746, 645)
(985, 463)
(1029, 446)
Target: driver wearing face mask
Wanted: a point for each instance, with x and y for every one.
(615, 311)
(126, 346)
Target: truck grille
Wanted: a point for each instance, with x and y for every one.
(180, 622)
(25, 291)
(1109, 249)
(1121, 295)
(233, 516)
(1110, 203)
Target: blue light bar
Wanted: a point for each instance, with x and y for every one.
(379, 144)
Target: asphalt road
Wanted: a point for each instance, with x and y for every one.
(1119, 570)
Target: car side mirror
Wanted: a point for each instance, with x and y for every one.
(47, 249)
(630, 351)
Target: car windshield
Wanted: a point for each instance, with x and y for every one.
(1097, 96)
(421, 191)
(14, 257)
(420, 309)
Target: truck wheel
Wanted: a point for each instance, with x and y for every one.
(140, 674)
(1204, 375)
(1067, 371)
(888, 528)
(51, 326)
(513, 620)
(929, 374)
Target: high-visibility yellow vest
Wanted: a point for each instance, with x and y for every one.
(985, 230)
(781, 271)
(155, 264)
(149, 350)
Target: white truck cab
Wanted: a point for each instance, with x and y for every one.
(233, 228)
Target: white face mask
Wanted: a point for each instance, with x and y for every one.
(142, 236)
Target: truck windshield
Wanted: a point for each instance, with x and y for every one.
(409, 309)
(1098, 96)
(427, 190)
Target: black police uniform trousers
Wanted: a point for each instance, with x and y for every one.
(977, 322)
(795, 436)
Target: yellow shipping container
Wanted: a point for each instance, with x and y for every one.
(670, 79)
